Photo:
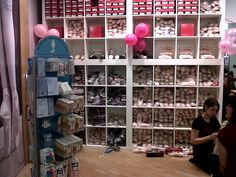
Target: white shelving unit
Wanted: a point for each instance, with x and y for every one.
(160, 88)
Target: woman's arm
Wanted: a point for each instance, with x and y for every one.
(222, 155)
(196, 140)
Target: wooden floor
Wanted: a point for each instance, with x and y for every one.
(128, 164)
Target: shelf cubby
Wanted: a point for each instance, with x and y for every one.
(209, 48)
(116, 117)
(143, 75)
(116, 137)
(182, 138)
(184, 117)
(76, 48)
(116, 27)
(116, 96)
(142, 137)
(96, 116)
(74, 28)
(205, 93)
(95, 49)
(96, 136)
(187, 48)
(96, 75)
(116, 49)
(165, 27)
(164, 48)
(186, 75)
(142, 117)
(116, 75)
(56, 23)
(163, 138)
(163, 117)
(147, 53)
(96, 95)
(164, 75)
(142, 96)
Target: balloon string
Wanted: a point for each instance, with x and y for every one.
(229, 20)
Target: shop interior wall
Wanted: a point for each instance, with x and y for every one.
(230, 10)
(33, 8)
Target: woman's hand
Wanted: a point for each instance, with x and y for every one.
(196, 140)
(214, 135)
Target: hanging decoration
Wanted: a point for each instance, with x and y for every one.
(140, 45)
(131, 39)
(141, 31)
(41, 31)
(228, 44)
(53, 32)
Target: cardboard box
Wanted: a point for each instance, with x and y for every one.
(76, 142)
(63, 147)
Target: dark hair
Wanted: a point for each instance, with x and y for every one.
(211, 102)
(232, 103)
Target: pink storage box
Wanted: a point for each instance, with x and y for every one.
(187, 29)
(96, 31)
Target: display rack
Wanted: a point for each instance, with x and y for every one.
(163, 91)
(52, 140)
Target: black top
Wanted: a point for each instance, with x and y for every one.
(204, 150)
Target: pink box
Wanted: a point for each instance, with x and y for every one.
(187, 29)
(96, 31)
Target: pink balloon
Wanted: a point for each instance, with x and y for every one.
(224, 45)
(232, 49)
(231, 34)
(40, 30)
(131, 39)
(141, 30)
(140, 45)
(53, 32)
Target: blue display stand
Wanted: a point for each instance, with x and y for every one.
(48, 47)
(52, 46)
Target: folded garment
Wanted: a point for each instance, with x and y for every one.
(165, 57)
(166, 53)
(185, 57)
(186, 53)
(207, 56)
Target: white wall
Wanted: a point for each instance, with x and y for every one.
(33, 20)
(230, 10)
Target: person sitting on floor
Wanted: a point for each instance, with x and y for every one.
(203, 133)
